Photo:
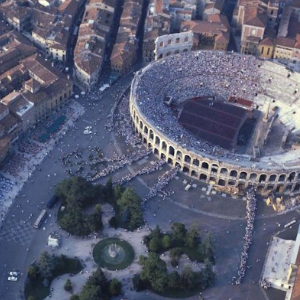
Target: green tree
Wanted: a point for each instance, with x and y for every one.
(77, 192)
(138, 284)
(95, 220)
(154, 271)
(208, 273)
(115, 287)
(46, 264)
(118, 191)
(174, 280)
(179, 231)
(73, 222)
(166, 242)
(192, 239)
(209, 248)
(109, 191)
(188, 278)
(175, 255)
(155, 233)
(74, 297)
(130, 203)
(30, 298)
(68, 285)
(154, 244)
(32, 272)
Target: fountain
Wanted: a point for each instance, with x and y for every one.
(113, 250)
(113, 253)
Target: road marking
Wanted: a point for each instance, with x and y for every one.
(87, 121)
(209, 189)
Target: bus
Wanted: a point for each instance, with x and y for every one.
(40, 219)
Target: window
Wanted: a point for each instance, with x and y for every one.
(253, 32)
(177, 40)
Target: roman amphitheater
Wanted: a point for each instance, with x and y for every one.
(224, 118)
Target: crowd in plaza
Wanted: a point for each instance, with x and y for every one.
(190, 75)
(250, 216)
(146, 170)
(162, 182)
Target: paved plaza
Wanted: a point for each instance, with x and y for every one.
(222, 215)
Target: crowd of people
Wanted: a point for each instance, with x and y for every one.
(250, 216)
(193, 74)
(146, 170)
(264, 283)
(162, 182)
(128, 160)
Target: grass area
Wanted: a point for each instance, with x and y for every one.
(193, 254)
(36, 288)
(98, 251)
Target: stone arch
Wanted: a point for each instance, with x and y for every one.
(141, 124)
(203, 177)
(151, 135)
(205, 165)
(196, 162)
(281, 177)
(145, 129)
(186, 170)
(157, 140)
(231, 182)
(162, 156)
(179, 155)
(233, 173)
(156, 151)
(177, 164)
(297, 187)
(243, 175)
(280, 188)
(253, 176)
(272, 177)
(298, 176)
(176, 51)
(262, 178)
(171, 151)
(144, 141)
(170, 161)
(168, 53)
(221, 182)
(270, 187)
(185, 50)
(194, 173)
(212, 180)
(187, 159)
(134, 114)
(292, 176)
(214, 168)
(164, 145)
(224, 171)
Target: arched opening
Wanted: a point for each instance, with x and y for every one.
(297, 187)
(185, 50)
(253, 176)
(157, 140)
(194, 173)
(298, 176)
(233, 173)
(205, 165)
(212, 180)
(241, 185)
(149, 145)
(259, 189)
(288, 188)
(273, 178)
(281, 177)
(196, 162)
(214, 168)
(231, 182)
(151, 136)
(279, 189)
(186, 170)
(224, 171)
(146, 129)
(144, 141)
(171, 151)
(221, 182)
(203, 177)
(262, 178)
(140, 135)
(270, 188)
(170, 161)
(164, 145)
(162, 156)
(178, 165)
(141, 124)
(156, 151)
(243, 175)
(179, 155)
(292, 176)
(187, 159)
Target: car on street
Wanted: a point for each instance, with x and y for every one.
(12, 278)
(15, 274)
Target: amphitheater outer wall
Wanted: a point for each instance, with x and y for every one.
(209, 170)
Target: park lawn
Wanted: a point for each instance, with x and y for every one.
(193, 253)
(39, 291)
